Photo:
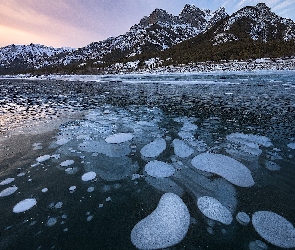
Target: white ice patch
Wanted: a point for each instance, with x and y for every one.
(243, 218)
(6, 181)
(291, 145)
(119, 138)
(43, 158)
(159, 169)
(154, 148)
(241, 138)
(8, 191)
(88, 176)
(166, 226)
(274, 228)
(72, 189)
(67, 163)
(228, 168)
(181, 149)
(44, 190)
(24, 205)
(214, 210)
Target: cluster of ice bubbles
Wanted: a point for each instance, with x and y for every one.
(108, 143)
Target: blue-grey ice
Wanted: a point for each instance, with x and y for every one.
(243, 218)
(43, 158)
(227, 167)
(6, 181)
(214, 210)
(8, 191)
(274, 228)
(272, 166)
(159, 169)
(166, 226)
(67, 163)
(291, 145)
(51, 221)
(249, 138)
(154, 148)
(24, 205)
(119, 138)
(88, 176)
(181, 149)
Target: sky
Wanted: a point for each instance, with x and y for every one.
(76, 23)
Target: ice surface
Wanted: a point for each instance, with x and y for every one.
(291, 145)
(6, 181)
(24, 205)
(154, 148)
(166, 226)
(67, 163)
(119, 138)
(51, 221)
(8, 191)
(43, 158)
(257, 245)
(274, 228)
(88, 176)
(272, 166)
(181, 149)
(249, 138)
(243, 218)
(214, 210)
(159, 169)
(229, 168)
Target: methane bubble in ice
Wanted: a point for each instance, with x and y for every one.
(88, 176)
(214, 210)
(228, 168)
(43, 158)
(6, 181)
(272, 166)
(154, 148)
(159, 169)
(8, 191)
(274, 228)
(291, 145)
(119, 138)
(249, 138)
(51, 222)
(181, 149)
(67, 163)
(24, 205)
(166, 226)
(243, 218)
(257, 245)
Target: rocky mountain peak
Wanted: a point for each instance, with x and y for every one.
(263, 7)
(158, 15)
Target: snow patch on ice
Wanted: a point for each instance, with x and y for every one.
(166, 226)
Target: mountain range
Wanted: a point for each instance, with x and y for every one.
(194, 35)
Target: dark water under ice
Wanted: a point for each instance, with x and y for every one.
(69, 120)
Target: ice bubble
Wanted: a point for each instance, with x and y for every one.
(159, 169)
(154, 148)
(257, 245)
(8, 191)
(243, 218)
(43, 158)
(108, 199)
(88, 176)
(241, 138)
(188, 126)
(291, 145)
(90, 189)
(181, 149)
(24, 205)
(89, 218)
(119, 138)
(58, 205)
(72, 189)
(62, 141)
(44, 190)
(67, 163)
(230, 169)
(166, 226)
(37, 146)
(6, 181)
(274, 228)
(51, 221)
(21, 174)
(272, 166)
(214, 210)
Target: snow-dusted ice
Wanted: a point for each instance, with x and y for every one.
(166, 226)
(24, 205)
(88, 176)
(159, 169)
(274, 228)
(8, 191)
(6, 181)
(227, 167)
(291, 145)
(214, 210)
(119, 138)
(67, 163)
(43, 158)
(154, 148)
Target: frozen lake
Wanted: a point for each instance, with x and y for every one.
(174, 161)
